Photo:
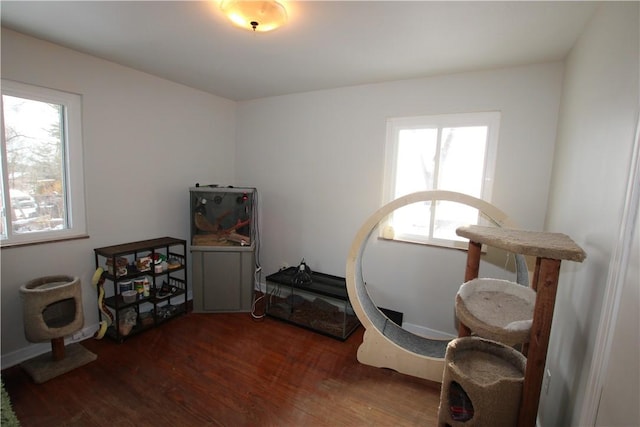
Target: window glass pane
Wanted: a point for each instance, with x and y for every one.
(3, 222)
(415, 166)
(451, 215)
(461, 169)
(415, 170)
(462, 159)
(34, 138)
(412, 222)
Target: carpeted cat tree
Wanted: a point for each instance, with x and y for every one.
(52, 309)
(481, 385)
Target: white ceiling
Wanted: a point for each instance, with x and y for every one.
(326, 44)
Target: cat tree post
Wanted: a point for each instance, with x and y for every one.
(549, 249)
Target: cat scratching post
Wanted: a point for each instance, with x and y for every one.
(549, 249)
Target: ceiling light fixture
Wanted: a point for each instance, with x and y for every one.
(255, 15)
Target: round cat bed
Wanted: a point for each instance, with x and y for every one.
(495, 309)
(52, 307)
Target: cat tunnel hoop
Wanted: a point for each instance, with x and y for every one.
(385, 344)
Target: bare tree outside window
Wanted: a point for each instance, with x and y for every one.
(34, 162)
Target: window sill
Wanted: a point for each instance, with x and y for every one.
(460, 246)
(439, 244)
(8, 245)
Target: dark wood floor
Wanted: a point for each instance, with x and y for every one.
(225, 370)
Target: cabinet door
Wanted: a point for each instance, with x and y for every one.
(222, 280)
(222, 287)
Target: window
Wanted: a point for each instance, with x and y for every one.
(42, 174)
(454, 152)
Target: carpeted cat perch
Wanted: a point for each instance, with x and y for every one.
(496, 309)
(481, 385)
(52, 309)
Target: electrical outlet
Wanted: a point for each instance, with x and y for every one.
(547, 380)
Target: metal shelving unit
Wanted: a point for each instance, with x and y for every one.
(159, 306)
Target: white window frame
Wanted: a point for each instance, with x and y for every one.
(73, 161)
(491, 119)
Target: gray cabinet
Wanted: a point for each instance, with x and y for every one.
(223, 279)
(223, 241)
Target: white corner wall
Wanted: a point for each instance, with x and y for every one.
(146, 141)
(597, 123)
(317, 161)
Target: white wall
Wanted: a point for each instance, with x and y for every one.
(317, 161)
(621, 386)
(146, 141)
(596, 129)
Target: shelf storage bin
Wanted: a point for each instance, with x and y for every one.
(481, 385)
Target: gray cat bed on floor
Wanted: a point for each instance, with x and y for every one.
(52, 309)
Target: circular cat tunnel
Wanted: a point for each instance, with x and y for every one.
(385, 344)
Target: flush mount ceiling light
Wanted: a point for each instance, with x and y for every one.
(255, 15)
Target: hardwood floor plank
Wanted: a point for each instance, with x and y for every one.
(225, 370)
